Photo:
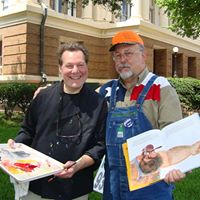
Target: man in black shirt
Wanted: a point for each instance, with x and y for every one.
(67, 122)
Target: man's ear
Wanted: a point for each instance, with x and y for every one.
(59, 67)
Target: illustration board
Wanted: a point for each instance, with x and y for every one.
(152, 154)
(25, 164)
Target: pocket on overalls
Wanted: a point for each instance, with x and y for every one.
(116, 133)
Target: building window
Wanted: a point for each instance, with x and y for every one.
(192, 67)
(56, 5)
(64, 6)
(52, 4)
(71, 8)
(126, 11)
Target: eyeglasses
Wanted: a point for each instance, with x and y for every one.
(69, 130)
(127, 54)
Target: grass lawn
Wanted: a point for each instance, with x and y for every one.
(186, 189)
(6, 191)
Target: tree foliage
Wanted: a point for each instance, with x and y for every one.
(184, 16)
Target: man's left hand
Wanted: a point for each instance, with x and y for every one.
(174, 176)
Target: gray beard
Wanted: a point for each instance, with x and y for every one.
(126, 75)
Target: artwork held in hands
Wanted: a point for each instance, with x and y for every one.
(25, 164)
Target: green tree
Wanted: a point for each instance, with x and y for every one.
(184, 16)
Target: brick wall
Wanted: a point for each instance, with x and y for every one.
(21, 53)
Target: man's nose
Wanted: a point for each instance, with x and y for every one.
(75, 69)
(123, 58)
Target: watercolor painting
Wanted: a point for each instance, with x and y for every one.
(26, 164)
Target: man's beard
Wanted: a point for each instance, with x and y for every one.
(126, 75)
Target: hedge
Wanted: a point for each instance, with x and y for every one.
(16, 95)
(19, 95)
(188, 90)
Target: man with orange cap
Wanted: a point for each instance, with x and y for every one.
(138, 101)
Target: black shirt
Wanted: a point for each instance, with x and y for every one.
(52, 118)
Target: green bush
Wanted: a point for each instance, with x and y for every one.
(13, 95)
(19, 95)
(188, 90)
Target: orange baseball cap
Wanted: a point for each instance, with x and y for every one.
(126, 37)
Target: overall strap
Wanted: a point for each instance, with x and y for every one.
(113, 97)
(145, 90)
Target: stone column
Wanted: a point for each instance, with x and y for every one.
(87, 11)
(46, 2)
(163, 19)
(1, 5)
(28, 1)
(100, 13)
(145, 9)
(57, 6)
(136, 10)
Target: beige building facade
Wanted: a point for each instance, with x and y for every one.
(31, 31)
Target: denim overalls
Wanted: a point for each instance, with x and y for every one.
(123, 123)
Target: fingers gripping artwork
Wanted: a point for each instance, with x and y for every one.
(25, 164)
